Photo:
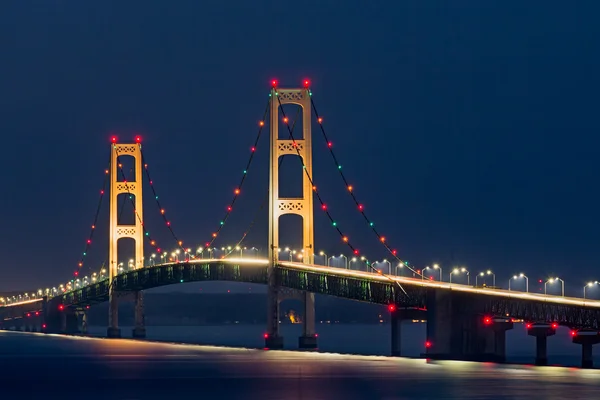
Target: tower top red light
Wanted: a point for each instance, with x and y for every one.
(113, 139)
(274, 83)
(138, 139)
(306, 83)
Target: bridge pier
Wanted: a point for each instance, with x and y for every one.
(397, 315)
(457, 329)
(139, 330)
(541, 333)
(82, 324)
(308, 340)
(587, 339)
(272, 338)
(113, 330)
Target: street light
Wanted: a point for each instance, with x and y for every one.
(400, 265)
(345, 260)
(435, 266)
(488, 272)
(590, 284)
(325, 259)
(552, 280)
(457, 271)
(521, 275)
(385, 262)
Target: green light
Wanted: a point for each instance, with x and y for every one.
(245, 172)
(181, 281)
(84, 253)
(156, 197)
(222, 222)
(334, 223)
(371, 224)
(147, 233)
(339, 167)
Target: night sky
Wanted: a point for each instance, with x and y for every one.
(468, 129)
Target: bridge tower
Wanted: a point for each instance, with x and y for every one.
(302, 206)
(118, 231)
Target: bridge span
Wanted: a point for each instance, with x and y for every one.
(455, 313)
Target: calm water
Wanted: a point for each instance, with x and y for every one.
(57, 367)
(357, 339)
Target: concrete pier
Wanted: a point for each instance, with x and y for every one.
(541, 331)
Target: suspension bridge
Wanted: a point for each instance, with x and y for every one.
(464, 321)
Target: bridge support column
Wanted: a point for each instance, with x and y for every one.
(456, 328)
(308, 340)
(397, 315)
(500, 326)
(82, 324)
(541, 333)
(587, 339)
(139, 330)
(113, 330)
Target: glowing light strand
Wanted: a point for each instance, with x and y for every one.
(88, 242)
(161, 210)
(264, 202)
(139, 218)
(238, 189)
(345, 238)
(349, 188)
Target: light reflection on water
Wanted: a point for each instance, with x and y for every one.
(356, 339)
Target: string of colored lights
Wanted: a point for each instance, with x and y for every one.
(345, 238)
(238, 189)
(264, 202)
(139, 218)
(350, 189)
(160, 208)
(88, 242)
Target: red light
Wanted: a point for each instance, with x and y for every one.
(37, 313)
(43, 326)
(427, 344)
(306, 83)
(76, 273)
(554, 325)
(324, 207)
(138, 139)
(87, 307)
(113, 139)
(355, 252)
(61, 307)
(573, 333)
(361, 207)
(528, 326)
(28, 314)
(266, 335)
(540, 281)
(274, 83)
(487, 320)
(316, 335)
(392, 308)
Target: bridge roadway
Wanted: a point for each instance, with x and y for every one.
(576, 313)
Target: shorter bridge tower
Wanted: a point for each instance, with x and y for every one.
(118, 231)
(302, 206)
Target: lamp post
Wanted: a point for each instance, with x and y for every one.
(457, 271)
(401, 266)
(552, 280)
(483, 274)
(521, 275)
(590, 284)
(325, 259)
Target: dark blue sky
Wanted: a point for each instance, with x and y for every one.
(469, 129)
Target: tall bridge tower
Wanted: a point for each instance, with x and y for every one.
(118, 231)
(302, 206)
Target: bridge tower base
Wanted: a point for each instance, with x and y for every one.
(587, 339)
(278, 206)
(139, 330)
(119, 231)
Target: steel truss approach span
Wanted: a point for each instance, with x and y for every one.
(354, 285)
